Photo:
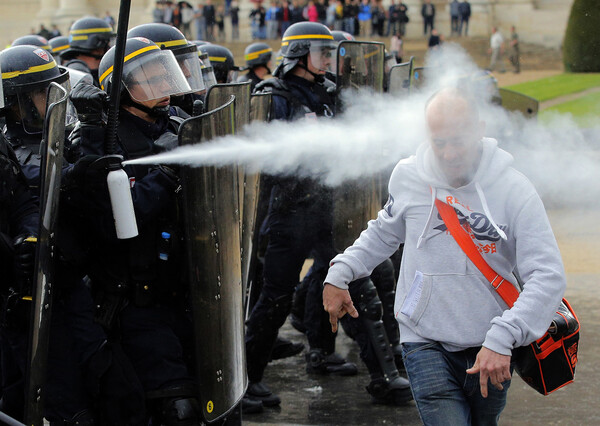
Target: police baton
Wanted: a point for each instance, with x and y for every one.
(117, 76)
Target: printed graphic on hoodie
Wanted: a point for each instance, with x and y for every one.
(477, 225)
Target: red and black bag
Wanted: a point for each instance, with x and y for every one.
(548, 363)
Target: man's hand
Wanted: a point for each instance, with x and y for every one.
(90, 103)
(491, 365)
(337, 303)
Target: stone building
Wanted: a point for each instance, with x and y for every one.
(538, 21)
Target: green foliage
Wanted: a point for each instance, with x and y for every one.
(581, 46)
(583, 110)
(558, 85)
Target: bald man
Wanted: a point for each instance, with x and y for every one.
(457, 334)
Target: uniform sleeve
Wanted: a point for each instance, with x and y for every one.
(540, 266)
(151, 195)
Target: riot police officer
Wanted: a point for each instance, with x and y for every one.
(57, 46)
(299, 220)
(33, 40)
(89, 39)
(258, 63)
(186, 54)
(81, 361)
(139, 283)
(222, 62)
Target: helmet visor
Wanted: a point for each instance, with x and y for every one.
(33, 104)
(154, 77)
(322, 55)
(191, 68)
(208, 74)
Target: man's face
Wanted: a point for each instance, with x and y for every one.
(320, 60)
(454, 137)
(153, 77)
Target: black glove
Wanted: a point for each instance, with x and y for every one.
(90, 172)
(166, 142)
(24, 262)
(90, 102)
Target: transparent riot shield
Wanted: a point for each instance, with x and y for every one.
(419, 76)
(515, 101)
(400, 78)
(359, 65)
(212, 236)
(218, 95)
(50, 175)
(256, 204)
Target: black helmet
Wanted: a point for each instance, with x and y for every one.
(341, 36)
(299, 40)
(27, 71)
(87, 35)
(148, 72)
(258, 54)
(58, 45)
(32, 40)
(221, 59)
(170, 38)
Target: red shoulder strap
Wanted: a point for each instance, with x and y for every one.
(507, 292)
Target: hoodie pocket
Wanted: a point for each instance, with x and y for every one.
(417, 298)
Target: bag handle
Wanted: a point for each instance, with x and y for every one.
(508, 292)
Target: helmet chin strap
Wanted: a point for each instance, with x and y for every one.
(155, 112)
(302, 64)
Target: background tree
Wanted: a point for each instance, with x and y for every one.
(581, 48)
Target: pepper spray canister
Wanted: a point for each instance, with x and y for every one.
(121, 202)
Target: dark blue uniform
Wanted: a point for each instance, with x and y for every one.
(141, 297)
(299, 222)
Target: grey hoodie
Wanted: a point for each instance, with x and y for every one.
(441, 296)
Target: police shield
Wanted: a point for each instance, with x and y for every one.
(256, 200)
(399, 79)
(248, 184)
(514, 101)
(419, 77)
(212, 234)
(359, 65)
(50, 173)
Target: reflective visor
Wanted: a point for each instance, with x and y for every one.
(191, 68)
(154, 77)
(322, 55)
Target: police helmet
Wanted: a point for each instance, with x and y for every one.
(342, 36)
(221, 59)
(33, 40)
(305, 39)
(58, 45)
(148, 72)
(258, 54)
(87, 35)
(170, 38)
(27, 71)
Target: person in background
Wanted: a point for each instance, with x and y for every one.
(428, 14)
(496, 50)
(234, 15)
(465, 13)
(515, 59)
(454, 17)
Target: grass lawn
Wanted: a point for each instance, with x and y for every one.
(559, 85)
(585, 110)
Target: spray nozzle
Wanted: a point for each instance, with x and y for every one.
(113, 162)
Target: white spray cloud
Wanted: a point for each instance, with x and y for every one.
(377, 131)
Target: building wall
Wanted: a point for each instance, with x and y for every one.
(537, 21)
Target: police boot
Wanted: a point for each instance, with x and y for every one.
(180, 412)
(284, 348)
(319, 363)
(394, 392)
(251, 406)
(258, 391)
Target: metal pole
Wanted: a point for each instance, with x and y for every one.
(117, 76)
(5, 418)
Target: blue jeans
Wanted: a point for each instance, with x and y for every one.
(445, 394)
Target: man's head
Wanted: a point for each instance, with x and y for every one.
(308, 49)
(455, 132)
(150, 76)
(89, 39)
(27, 72)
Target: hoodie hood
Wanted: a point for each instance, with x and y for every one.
(493, 163)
